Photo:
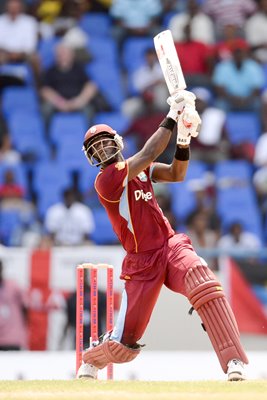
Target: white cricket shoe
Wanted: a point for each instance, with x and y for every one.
(87, 371)
(236, 370)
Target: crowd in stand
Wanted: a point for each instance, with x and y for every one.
(66, 64)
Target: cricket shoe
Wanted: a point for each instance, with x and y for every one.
(236, 370)
(87, 371)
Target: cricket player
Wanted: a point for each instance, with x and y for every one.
(156, 255)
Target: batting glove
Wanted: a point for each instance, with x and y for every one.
(178, 101)
(188, 125)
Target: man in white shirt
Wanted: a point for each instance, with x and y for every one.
(18, 42)
(18, 32)
(202, 29)
(256, 32)
(69, 223)
(238, 238)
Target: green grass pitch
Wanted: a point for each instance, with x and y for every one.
(132, 390)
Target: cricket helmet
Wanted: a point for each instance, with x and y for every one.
(101, 143)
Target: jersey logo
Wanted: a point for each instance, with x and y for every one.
(140, 194)
(120, 165)
(142, 176)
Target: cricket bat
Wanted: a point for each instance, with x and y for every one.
(169, 61)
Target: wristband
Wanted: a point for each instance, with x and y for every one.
(168, 123)
(182, 153)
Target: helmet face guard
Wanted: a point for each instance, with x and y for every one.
(102, 147)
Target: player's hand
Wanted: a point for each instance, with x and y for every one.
(178, 101)
(189, 125)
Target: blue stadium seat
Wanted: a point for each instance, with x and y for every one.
(239, 169)
(27, 133)
(103, 233)
(22, 71)
(64, 125)
(243, 127)
(130, 146)
(116, 120)
(236, 197)
(183, 193)
(239, 213)
(50, 179)
(46, 51)
(104, 49)
(261, 293)
(69, 153)
(96, 24)
(87, 177)
(10, 222)
(265, 232)
(133, 53)
(108, 79)
(19, 99)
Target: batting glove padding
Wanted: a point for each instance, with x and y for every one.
(109, 352)
(178, 101)
(207, 297)
(189, 125)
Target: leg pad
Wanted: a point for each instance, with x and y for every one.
(109, 352)
(208, 299)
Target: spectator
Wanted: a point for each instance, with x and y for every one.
(13, 315)
(222, 49)
(238, 238)
(264, 109)
(256, 32)
(66, 87)
(149, 85)
(18, 39)
(135, 18)
(21, 211)
(69, 223)
(98, 5)
(202, 29)
(18, 33)
(46, 12)
(10, 189)
(141, 126)
(260, 156)
(260, 175)
(211, 144)
(164, 200)
(233, 12)
(238, 82)
(194, 58)
(70, 325)
(201, 235)
(66, 27)
(8, 155)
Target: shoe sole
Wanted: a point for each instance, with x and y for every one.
(235, 376)
(86, 377)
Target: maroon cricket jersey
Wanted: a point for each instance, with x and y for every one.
(132, 208)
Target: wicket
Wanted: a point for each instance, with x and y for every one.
(94, 268)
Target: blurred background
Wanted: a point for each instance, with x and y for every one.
(68, 64)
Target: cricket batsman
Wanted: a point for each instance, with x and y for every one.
(155, 254)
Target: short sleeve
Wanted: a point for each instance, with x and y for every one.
(111, 182)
